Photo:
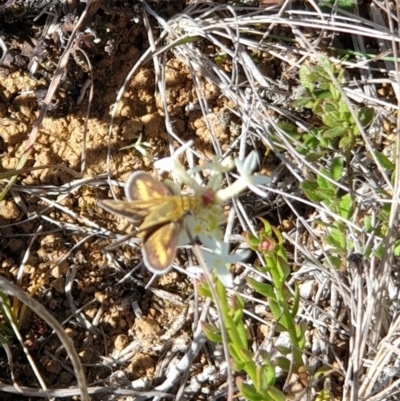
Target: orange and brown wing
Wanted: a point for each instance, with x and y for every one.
(142, 187)
(159, 247)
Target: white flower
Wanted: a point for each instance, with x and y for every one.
(217, 166)
(172, 165)
(205, 220)
(217, 257)
(245, 180)
(206, 223)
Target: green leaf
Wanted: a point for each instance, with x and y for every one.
(317, 107)
(239, 324)
(354, 131)
(333, 122)
(323, 395)
(380, 251)
(283, 363)
(284, 350)
(242, 333)
(296, 301)
(347, 5)
(267, 226)
(204, 289)
(309, 188)
(311, 142)
(337, 246)
(331, 108)
(267, 290)
(300, 332)
(275, 394)
(236, 313)
(247, 356)
(252, 240)
(234, 353)
(335, 262)
(265, 355)
(334, 205)
(384, 161)
(322, 182)
(324, 92)
(326, 142)
(306, 80)
(262, 383)
(337, 238)
(367, 224)
(278, 314)
(249, 392)
(280, 328)
(343, 109)
(325, 194)
(268, 368)
(211, 332)
(346, 206)
(365, 115)
(315, 156)
(323, 371)
(289, 129)
(397, 248)
(345, 142)
(337, 168)
(279, 237)
(306, 102)
(385, 212)
(283, 269)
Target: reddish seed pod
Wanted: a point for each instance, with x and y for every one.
(208, 197)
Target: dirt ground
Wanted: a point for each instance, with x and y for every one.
(48, 242)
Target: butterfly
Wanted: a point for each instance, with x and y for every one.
(158, 212)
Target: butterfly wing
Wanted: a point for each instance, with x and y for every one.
(141, 187)
(159, 247)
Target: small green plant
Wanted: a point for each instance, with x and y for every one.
(283, 303)
(140, 147)
(261, 369)
(333, 125)
(325, 190)
(220, 58)
(13, 315)
(334, 131)
(260, 372)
